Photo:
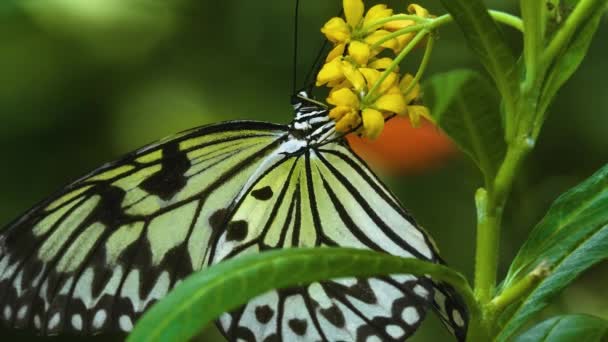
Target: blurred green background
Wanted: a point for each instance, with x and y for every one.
(85, 81)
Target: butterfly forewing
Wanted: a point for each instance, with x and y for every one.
(93, 257)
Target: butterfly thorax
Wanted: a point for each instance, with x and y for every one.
(311, 121)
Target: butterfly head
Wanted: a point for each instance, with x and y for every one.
(311, 120)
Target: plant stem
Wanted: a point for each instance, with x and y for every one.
(500, 17)
(531, 12)
(513, 293)
(395, 17)
(423, 65)
(370, 95)
(583, 10)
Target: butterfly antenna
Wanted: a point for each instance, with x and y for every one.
(317, 63)
(295, 46)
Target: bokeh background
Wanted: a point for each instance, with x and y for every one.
(85, 81)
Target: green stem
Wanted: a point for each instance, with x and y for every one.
(419, 36)
(500, 17)
(583, 10)
(395, 17)
(409, 29)
(514, 293)
(533, 39)
(423, 64)
(435, 23)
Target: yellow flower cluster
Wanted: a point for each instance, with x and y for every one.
(365, 83)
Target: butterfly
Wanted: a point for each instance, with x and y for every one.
(94, 256)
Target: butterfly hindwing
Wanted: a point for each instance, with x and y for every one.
(326, 197)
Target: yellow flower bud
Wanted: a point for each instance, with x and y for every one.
(418, 10)
(373, 123)
(371, 76)
(382, 63)
(338, 112)
(353, 11)
(393, 103)
(348, 122)
(376, 13)
(395, 25)
(336, 30)
(389, 82)
(337, 51)
(359, 51)
(331, 71)
(405, 84)
(343, 97)
(420, 111)
(353, 75)
(402, 41)
(379, 34)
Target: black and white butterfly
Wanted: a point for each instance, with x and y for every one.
(94, 256)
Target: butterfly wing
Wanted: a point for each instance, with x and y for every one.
(326, 197)
(93, 257)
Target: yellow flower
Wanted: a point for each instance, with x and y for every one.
(373, 123)
(336, 30)
(336, 52)
(416, 112)
(419, 11)
(353, 11)
(354, 30)
(343, 97)
(330, 72)
(346, 110)
(359, 51)
(382, 64)
(376, 13)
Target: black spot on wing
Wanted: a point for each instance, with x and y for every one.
(264, 314)
(109, 210)
(298, 326)
(170, 179)
(217, 220)
(262, 194)
(237, 231)
(334, 315)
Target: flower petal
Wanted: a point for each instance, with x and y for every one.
(413, 93)
(395, 25)
(359, 51)
(375, 13)
(418, 10)
(353, 11)
(420, 111)
(331, 71)
(348, 122)
(343, 97)
(393, 103)
(382, 63)
(353, 75)
(336, 30)
(337, 51)
(338, 112)
(371, 76)
(373, 123)
(377, 36)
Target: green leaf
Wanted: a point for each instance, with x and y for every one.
(205, 295)
(572, 237)
(486, 40)
(567, 328)
(568, 62)
(465, 106)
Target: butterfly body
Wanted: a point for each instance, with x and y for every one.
(93, 257)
